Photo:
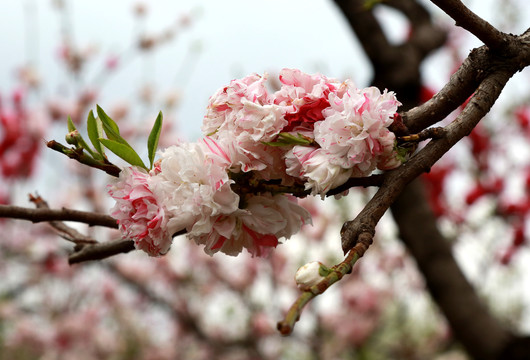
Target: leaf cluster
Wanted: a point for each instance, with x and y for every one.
(103, 132)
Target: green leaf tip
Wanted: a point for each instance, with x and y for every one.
(70, 124)
(152, 140)
(95, 131)
(110, 128)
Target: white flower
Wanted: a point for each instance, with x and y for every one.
(315, 167)
(257, 228)
(194, 185)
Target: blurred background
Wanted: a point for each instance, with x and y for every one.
(61, 58)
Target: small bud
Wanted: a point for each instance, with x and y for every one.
(72, 138)
(310, 274)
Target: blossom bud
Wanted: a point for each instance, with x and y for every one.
(72, 138)
(310, 274)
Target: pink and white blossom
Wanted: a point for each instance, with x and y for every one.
(312, 164)
(194, 184)
(242, 116)
(257, 228)
(303, 97)
(141, 216)
(331, 132)
(355, 131)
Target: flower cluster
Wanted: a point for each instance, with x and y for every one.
(313, 132)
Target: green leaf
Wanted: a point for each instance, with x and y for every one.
(95, 131)
(110, 127)
(285, 139)
(107, 120)
(124, 151)
(152, 140)
(369, 4)
(71, 126)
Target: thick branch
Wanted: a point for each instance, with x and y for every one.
(460, 87)
(470, 321)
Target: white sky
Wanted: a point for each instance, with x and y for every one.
(236, 38)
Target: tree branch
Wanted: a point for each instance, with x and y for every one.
(395, 180)
(472, 324)
(460, 87)
(100, 251)
(66, 232)
(465, 18)
(489, 68)
(64, 214)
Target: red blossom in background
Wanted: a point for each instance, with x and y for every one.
(435, 183)
(522, 115)
(20, 142)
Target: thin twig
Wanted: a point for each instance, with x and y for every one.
(41, 215)
(429, 133)
(286, 326)
(65, 231)
(80, 156)
(100, 251)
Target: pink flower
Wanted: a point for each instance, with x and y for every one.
(139, 213)
(230, 99)
(297, 85)
(307, 114)
(243, 117)
(303, 97)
